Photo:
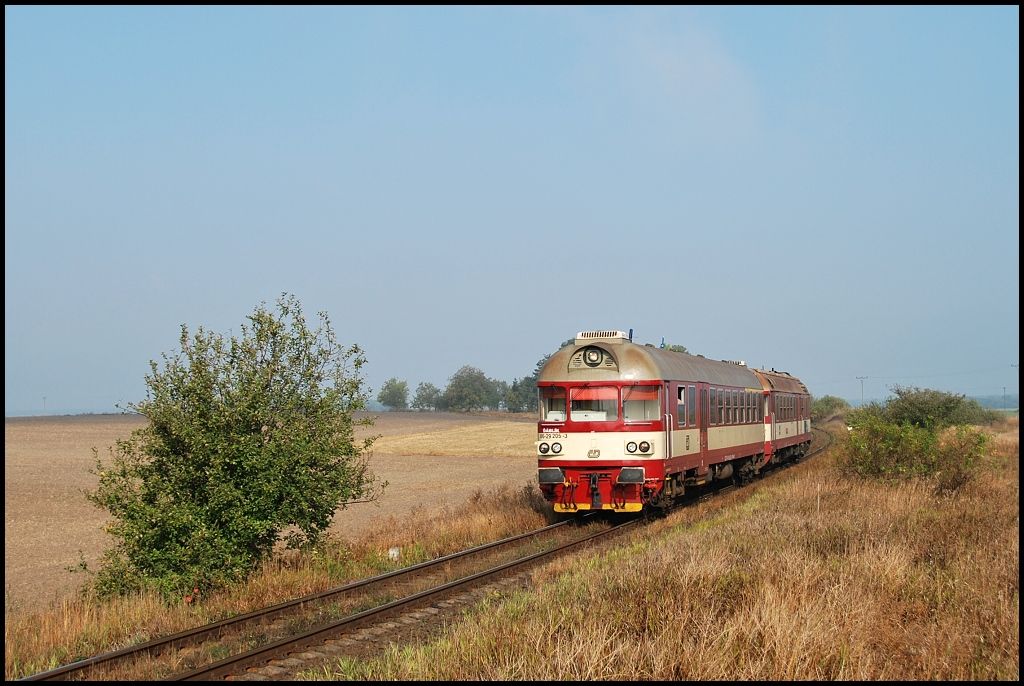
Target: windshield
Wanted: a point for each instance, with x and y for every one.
(594, 404)
(552, 404)
(641, 403)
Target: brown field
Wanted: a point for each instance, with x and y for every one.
(430, 460)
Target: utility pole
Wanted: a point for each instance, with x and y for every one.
(862, 388)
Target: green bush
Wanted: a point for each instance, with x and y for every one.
(247, 438)
(926, 407)
(878, 448)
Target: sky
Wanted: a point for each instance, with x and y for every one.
(827, 191)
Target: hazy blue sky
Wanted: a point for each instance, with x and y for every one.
(828, 191)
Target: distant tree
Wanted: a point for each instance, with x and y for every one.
(521, 395)
(470, 389)
(394, 394)
(428, 397)
(498, 394)
(827, 406)
(247, 437)
(677, 348)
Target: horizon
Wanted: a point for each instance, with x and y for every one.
(1013, 401)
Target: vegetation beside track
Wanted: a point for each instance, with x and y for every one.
(85, 626)
(809, 575)
(814, 575)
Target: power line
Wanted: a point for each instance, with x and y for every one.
(894, 377)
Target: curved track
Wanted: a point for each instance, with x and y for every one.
(324, 638)
(216, 630)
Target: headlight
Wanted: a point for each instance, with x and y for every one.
(556, 448)
(543, 448)
(631, 447)
(645, 447)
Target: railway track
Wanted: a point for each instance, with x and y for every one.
(361, 614)
(344, 599)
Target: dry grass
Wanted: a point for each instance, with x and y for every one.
(499, 438)
(437, 502)
(802, 576)
(48, 521)
(78, 628)
(805, 576)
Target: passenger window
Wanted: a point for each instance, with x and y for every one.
(693, 407)
(681, 406)
(714, 406)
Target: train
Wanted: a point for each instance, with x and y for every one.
(628, 427)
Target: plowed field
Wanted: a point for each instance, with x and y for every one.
(429, 459)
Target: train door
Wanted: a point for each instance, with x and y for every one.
(668, 412)
(702, 419)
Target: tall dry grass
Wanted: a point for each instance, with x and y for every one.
(805, 576)
(82, 627)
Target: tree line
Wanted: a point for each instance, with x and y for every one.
(471, 389)
(468, 389)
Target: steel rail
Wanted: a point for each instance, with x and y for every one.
(204, 632)
(259, 656)
(235, 663)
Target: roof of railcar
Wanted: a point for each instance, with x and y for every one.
(783, 381)
(645, 362)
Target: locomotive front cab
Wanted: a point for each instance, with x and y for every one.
(600, 445)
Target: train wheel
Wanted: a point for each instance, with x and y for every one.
(745, 474)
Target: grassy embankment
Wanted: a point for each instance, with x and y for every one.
(809, 575)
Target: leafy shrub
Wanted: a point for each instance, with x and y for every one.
(926, 407)
(246, 438)
(958, 453)
(881, 449)
(878, 448)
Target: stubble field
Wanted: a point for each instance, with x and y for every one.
(430, 460)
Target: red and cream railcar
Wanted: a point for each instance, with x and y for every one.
(623, 426)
